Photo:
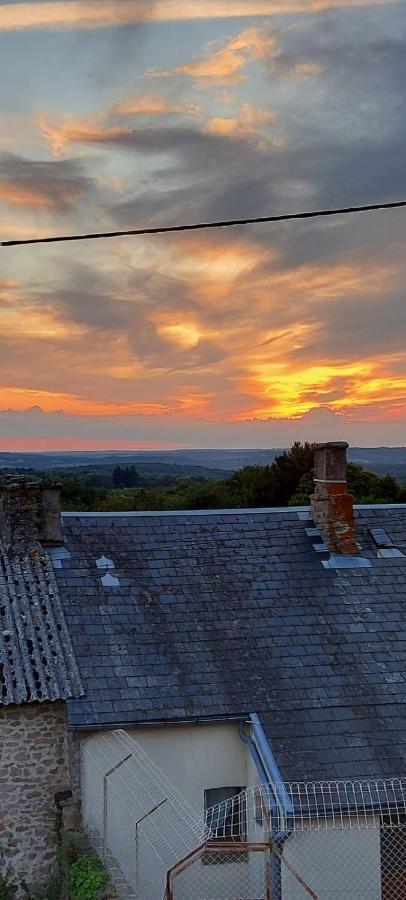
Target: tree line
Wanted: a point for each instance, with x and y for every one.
(287, 481)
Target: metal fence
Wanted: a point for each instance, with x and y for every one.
(327, 841)
(136, 819)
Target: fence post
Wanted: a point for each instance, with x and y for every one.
(105, 784)
(269, 875)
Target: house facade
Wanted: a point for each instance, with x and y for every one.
(236, 647)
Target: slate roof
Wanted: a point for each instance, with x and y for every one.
(36, 655)
(224, 614)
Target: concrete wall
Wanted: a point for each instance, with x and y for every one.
(33, 765)
(196, 757)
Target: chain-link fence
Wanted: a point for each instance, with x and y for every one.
(327, 841)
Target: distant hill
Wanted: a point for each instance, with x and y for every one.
(196, 463)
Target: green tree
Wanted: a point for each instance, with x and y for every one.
(366, 487)
(124, 477)
(252, 486)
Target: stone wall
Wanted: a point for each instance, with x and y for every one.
(33, 767)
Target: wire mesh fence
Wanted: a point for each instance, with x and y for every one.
(136, 819)
(327, 841)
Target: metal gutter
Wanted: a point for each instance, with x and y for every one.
(271, 767)
(163, 514)
(155, 723)
(283, 803)
(254, 753)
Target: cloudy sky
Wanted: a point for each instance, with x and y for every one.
(125, 113)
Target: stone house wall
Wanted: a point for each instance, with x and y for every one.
(33, 767)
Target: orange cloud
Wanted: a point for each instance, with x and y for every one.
(289, 391)
(70, 131)
(224, 66)
(307, 69)
(248, 125)
(24, 196)
(150, 105)
(82, 14)
(17, 398)
(101, 129)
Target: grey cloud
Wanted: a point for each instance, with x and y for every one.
(59, 183)
(321, 424)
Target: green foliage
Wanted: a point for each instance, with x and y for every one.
(7, 891)
(86, 878)
(364, 486)
(124, 477)
(272, 485)
(252, 486)
(53, 890)
(80, 875)
(71, 847)
(286, 482)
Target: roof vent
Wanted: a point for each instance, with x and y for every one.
(103, 562)
(108, 580)
(386, 548)
(57, 554)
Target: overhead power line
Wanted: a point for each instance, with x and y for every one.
(199, 226)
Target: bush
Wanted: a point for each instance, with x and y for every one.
(86, 878)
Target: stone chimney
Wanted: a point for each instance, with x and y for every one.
(332, 505)
(50, 526)
(29, 513)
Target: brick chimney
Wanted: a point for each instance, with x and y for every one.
(29, 513)
(332, 505)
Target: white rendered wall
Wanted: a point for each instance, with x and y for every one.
(196, 757)
(334, 863)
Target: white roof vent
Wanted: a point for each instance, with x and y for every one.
(103, 562)
(108, 580)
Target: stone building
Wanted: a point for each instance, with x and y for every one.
(38, 673)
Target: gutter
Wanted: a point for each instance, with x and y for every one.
(279, 800)
(271, 767)
(153, 723)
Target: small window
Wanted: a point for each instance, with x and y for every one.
(226, 817)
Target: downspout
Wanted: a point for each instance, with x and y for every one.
(254, 753)
(281, 805)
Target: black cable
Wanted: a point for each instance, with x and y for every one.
(201, 225)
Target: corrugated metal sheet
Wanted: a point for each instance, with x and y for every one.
(37, 661)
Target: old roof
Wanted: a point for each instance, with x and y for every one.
(204, 615)
(36, 656)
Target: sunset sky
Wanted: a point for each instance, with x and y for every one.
(127, 113)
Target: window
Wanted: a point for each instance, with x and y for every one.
(226, 817)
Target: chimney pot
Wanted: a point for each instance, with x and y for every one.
(332, 505)
(50, 528)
